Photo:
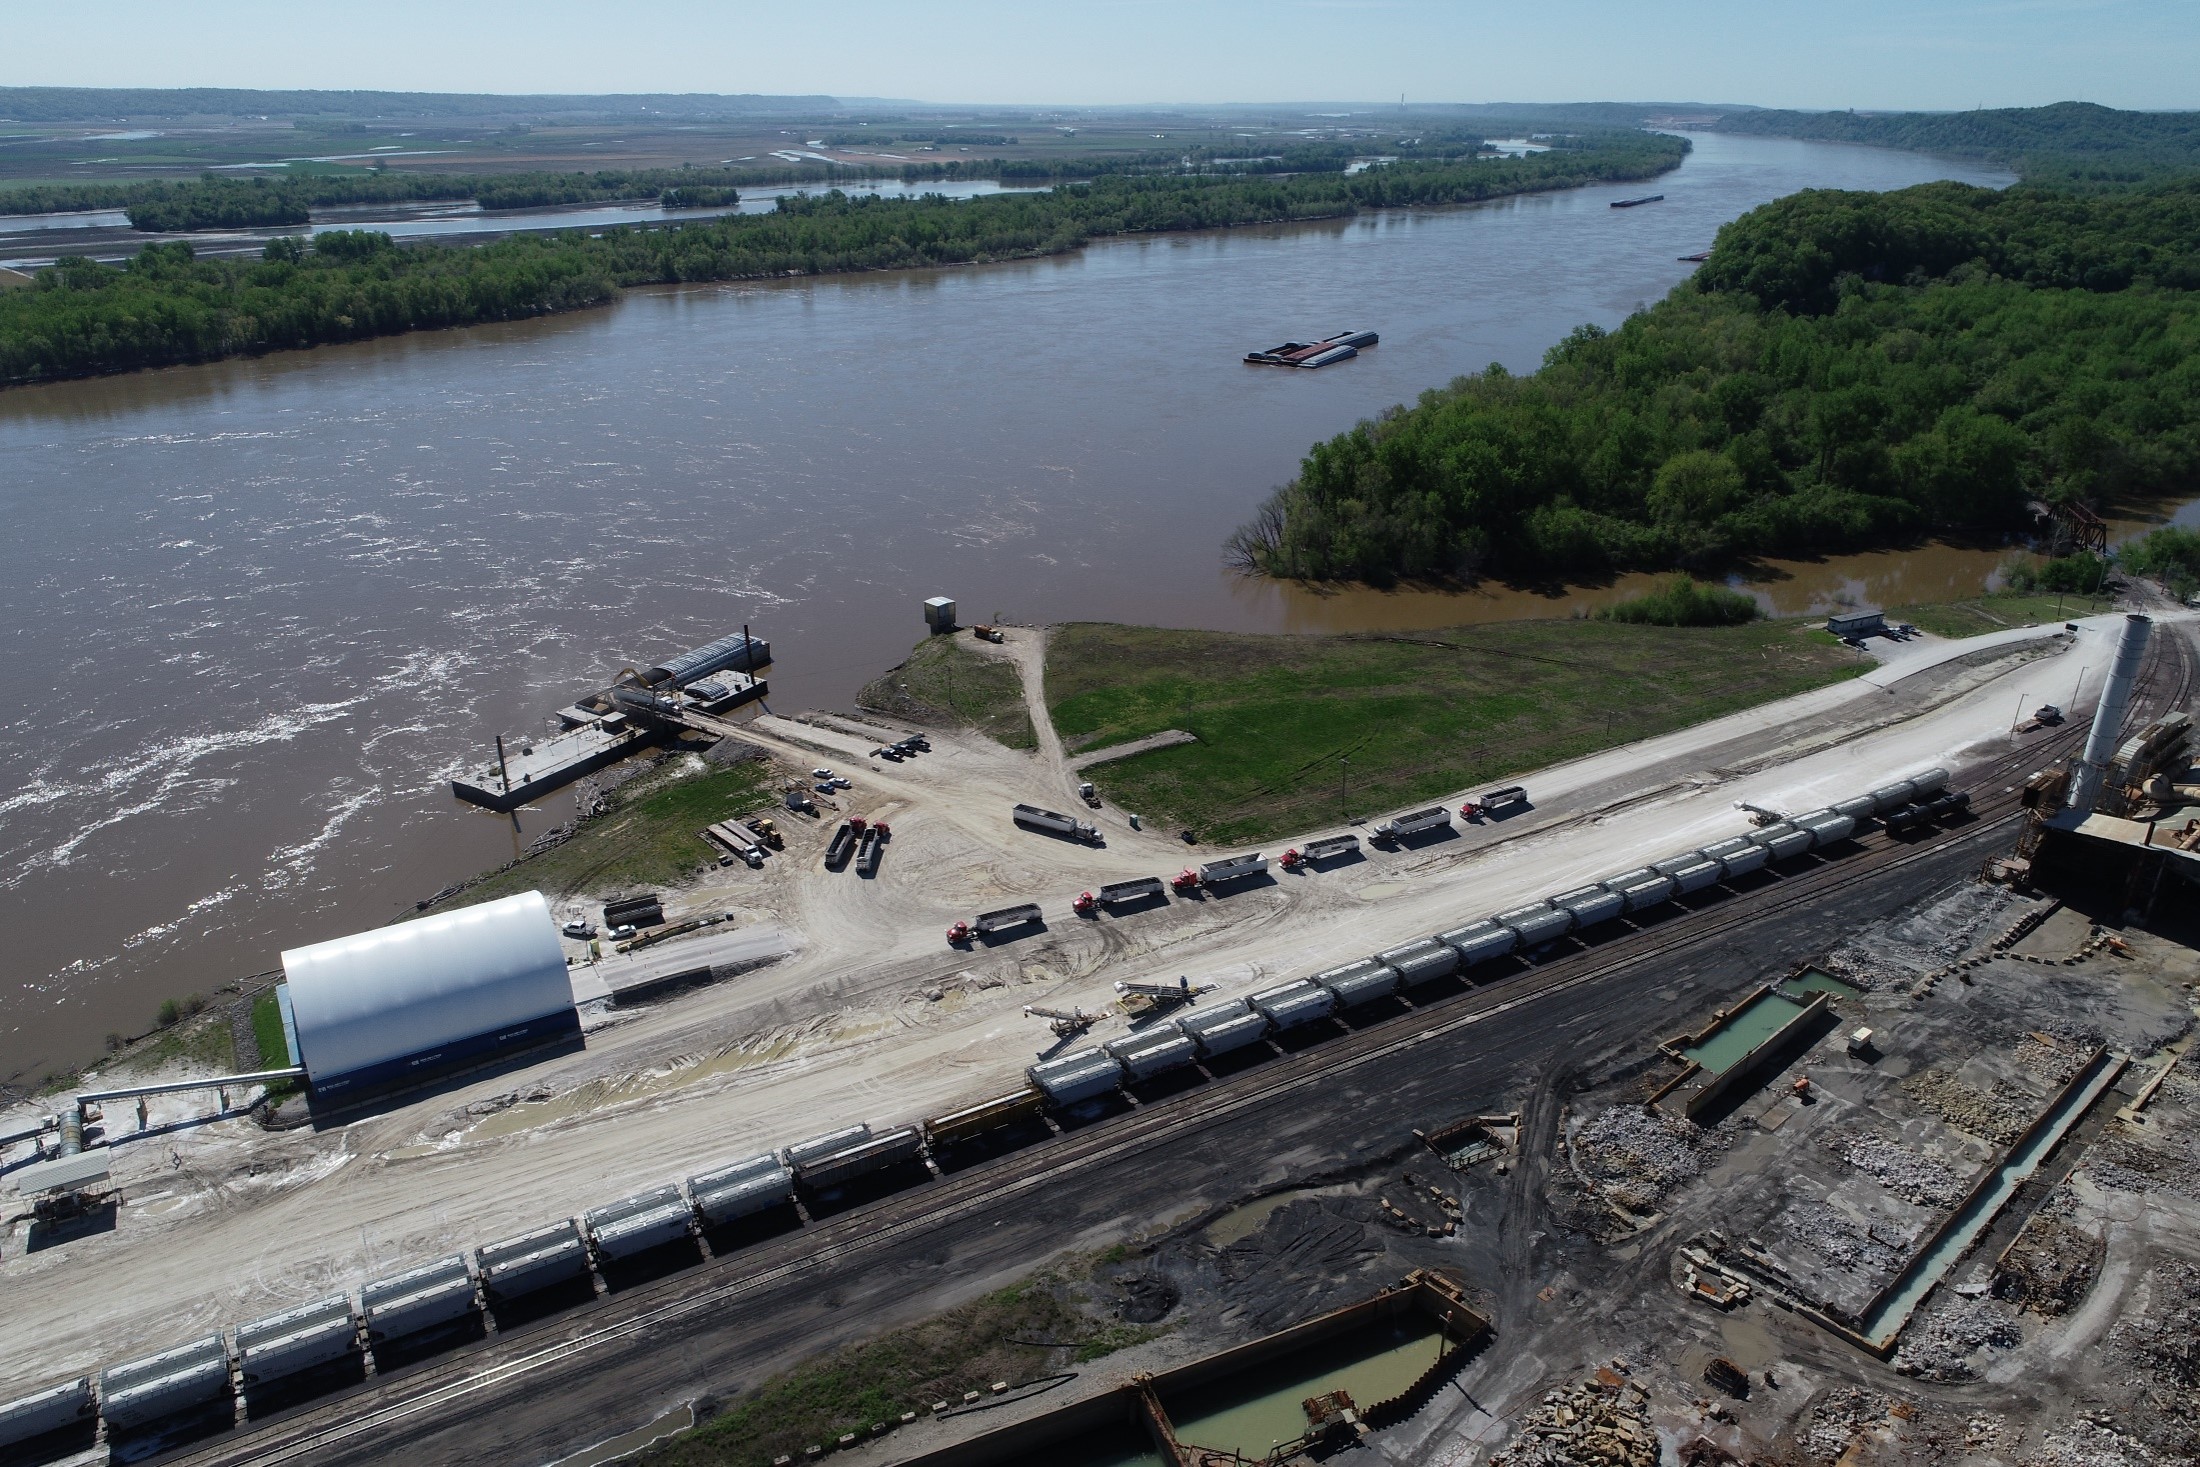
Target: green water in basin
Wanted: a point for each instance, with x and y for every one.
(1742, 1031)
(1251, 1413)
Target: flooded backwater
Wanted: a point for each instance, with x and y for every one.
(258, 612)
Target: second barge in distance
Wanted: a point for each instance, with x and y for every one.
(1631, 203)
(1341, 347)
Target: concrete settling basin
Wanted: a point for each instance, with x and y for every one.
(1289, 1397)
(1740, 1040)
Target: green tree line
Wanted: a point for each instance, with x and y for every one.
(164, 305)
(2069, 143)
(1845, 371)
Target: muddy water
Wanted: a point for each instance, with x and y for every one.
(1251, 1416)
(258, 612)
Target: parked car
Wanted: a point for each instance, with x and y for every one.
(579, 930)
(621, 932)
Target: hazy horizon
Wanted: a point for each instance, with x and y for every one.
(1873, 55)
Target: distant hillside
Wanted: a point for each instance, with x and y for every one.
(2070, 142)
(114, 104)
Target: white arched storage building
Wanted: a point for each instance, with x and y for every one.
(381, 1009)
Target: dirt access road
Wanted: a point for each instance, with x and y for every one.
(873, 1018)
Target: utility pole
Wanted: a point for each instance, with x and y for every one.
(1343, 762)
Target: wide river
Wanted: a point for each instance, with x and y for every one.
(258, 612)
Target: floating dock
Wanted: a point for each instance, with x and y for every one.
(637, 712)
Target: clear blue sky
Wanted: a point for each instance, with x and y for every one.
(1801, 53)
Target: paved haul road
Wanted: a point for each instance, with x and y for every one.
(534, 1395)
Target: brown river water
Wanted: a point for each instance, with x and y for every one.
(258, 612)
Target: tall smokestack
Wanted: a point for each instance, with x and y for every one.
(2108, 718)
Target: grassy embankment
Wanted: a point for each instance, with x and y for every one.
(1284, 721)
(853, 1389)
(1999, 612)
(946, 684)
(650, 835)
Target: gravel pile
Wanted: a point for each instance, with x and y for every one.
(2053, 1063)
(1996, 1116)
(1588, 1425)
(2150, 1162)
(1924, 939)
(2164, 1342)
(1897, 1168)
(1837, 1239)
(1941, 1343)
(1841, 1415)
(1636, 1156)
(2052, 1264)
(2086, 1443)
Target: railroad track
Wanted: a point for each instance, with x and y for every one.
(2165, 682)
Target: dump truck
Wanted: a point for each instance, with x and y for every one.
(867, 851)
(1498, 801)
(1003, 918)
(842, 846)
(1052, 822)
(1413, 824)
(1328, 848)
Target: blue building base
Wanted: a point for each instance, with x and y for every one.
(409, 1072)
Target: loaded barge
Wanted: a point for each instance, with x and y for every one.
(639, 710)
(1341, 347)
(1631, 203)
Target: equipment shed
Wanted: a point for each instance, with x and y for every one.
(380, 1009)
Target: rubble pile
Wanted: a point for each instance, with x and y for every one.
(2164, 1342)
(1602, 1422)
(1635, 1156)
(1897, 1168)
(1841, 1416)
(1998, 1115)
(2131, 1161)
(2052, 1263)
(2054, 1062)
(2089, 1442)
(1877, 1249)
(1925, 939)
(1939, 1345)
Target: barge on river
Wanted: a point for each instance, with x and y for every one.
(1342, 347)
(639, 711)
(1634, 203)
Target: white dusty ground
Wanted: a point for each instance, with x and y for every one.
(872, 1017)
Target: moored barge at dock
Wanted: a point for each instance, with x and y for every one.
(1341, 347)
(638, 711)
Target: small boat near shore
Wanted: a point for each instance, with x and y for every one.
(1341, 347)
(1636, 203)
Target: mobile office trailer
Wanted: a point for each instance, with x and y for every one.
(1053, 822)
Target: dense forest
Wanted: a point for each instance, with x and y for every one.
(1846, 370)
(164, 305)
(2071, 143)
